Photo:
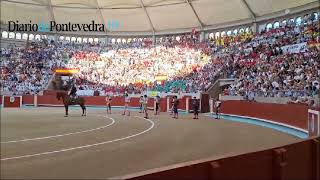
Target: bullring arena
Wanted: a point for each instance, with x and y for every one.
(114, 145)
(153, 90)
(39, 142)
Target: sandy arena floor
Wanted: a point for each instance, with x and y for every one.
(39, 143)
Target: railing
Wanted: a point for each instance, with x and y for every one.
(50, 81)
(279, 97)
(274, 93)
(221, 75)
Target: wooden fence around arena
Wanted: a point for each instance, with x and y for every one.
(294, 161)
(291, 114)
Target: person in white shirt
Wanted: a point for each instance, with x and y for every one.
(141, 104)
(108, 103)
(217, 106)
(127, 100)
(145, 106)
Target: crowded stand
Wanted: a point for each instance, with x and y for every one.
(282, 62)
(136, 69)
(27, 71)
(278, 62)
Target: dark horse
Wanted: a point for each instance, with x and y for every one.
(67, 100)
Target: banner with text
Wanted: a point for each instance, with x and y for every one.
(295, 48)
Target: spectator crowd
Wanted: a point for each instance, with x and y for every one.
(279, 62)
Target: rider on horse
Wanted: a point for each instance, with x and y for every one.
(73, 93)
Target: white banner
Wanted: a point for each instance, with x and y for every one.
(89, 93)
(295, 48)
(85, 92)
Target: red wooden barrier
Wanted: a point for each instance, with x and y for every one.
(97, 101)
(49, 100)
(291, 114)
(182, 102)
(205, 107)
(27, 99)
(163, 104)
(295, 161)
(150, 103)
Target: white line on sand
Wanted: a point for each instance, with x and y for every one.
(60, 135)
(85, 146)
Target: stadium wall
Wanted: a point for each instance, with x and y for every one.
(294, 161)
(51, 100)
(185, 102)
(28, 99)
(291, 114)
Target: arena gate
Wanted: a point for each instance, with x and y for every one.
(313, 122)
(11, 101)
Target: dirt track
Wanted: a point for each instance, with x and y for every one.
(129, 144)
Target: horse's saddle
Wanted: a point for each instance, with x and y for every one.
(73, 99)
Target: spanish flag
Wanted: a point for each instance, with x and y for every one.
(66, 71)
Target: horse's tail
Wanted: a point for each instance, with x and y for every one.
(58, 96)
